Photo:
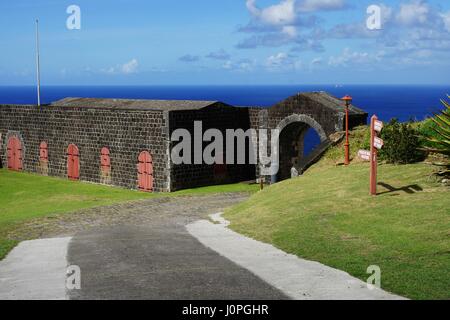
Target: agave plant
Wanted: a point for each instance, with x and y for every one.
(439, 139)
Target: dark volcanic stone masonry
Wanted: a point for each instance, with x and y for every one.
(125, 132)
(129, 127)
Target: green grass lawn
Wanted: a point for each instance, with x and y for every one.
(328, 216)
(25, 196)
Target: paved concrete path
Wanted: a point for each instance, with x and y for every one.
(298, 278)
(35, 270)
(165, 249)
(158, 262)
(150, 255)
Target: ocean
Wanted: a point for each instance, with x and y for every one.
(399, 101)
(402, 102)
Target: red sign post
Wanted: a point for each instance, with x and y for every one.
(348, 101)
(376, 143)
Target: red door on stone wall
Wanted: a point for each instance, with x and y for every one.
(43, 151)
(145, 172)
(105, 161)
(14, 154)
(73, 162)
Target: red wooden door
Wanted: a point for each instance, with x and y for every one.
(43, 151)
(14, 154)
(145, 172)
(105, 161)
(73, 162)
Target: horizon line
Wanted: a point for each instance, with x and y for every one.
(227, 85)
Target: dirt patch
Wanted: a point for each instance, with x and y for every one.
(183, 210)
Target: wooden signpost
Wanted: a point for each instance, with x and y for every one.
(376, 144)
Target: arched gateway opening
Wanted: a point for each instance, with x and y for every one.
(300, 137)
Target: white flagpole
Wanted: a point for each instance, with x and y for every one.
(38, 68)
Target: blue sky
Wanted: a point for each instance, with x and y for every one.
(140, 42)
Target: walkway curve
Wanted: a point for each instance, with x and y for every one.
(298, 278)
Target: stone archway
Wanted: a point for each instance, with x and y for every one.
(303, 118)
(292, 130)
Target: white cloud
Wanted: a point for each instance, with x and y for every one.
(126, 68)
(277, 60)
(316, 61)
(386, 13)
(318, 5)
(286, 11)
(251, 6)
(280, 14)
(246, 65)
(290, 31)
(413, 32)
(241, 65)
(446, 19)
(284, 22)
(349, 58)
(110, 70)
(130, 67)
(414, 13)
(228, 65)
(283, 61)
(423, 54)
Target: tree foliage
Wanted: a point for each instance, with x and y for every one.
(401, 143)
(438, 135)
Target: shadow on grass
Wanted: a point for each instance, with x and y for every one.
(411, 189)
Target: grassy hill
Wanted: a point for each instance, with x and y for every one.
(328, 216)
(25, 196)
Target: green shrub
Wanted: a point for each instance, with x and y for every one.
(427, 131)
(401, 143)
(437, 132)
(365, 141)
